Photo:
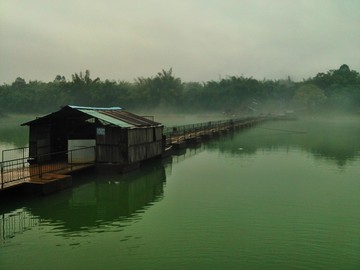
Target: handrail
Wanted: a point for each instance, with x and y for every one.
(21, 169)
(207, 124)
(186, 131)
(12, 150)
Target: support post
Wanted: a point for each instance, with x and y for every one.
(71, 158)
(40, 169)
(2, 174)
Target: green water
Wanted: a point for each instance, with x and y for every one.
(283, 195)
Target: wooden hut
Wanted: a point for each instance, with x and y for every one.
(116, 136)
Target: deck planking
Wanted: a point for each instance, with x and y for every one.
(30, 174)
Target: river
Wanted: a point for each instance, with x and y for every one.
(281, 195)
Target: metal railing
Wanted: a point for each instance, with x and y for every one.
(19, 170)
(176, 133)
(15, 153)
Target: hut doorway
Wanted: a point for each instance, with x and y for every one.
(63, 134)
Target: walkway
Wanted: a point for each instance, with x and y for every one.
(195, 132)
(18, 171)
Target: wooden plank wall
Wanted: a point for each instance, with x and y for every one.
(129, 145)
(144, 143)
(111, 147)
(144, 151)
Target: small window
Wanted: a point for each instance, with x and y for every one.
(100, 131)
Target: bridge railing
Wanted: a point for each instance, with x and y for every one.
(19, 170)
(184, 132)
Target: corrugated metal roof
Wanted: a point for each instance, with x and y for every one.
(129, 118)
(97, 114)
(116, 116)
(112, 115)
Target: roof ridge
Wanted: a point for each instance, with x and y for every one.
(94, 108)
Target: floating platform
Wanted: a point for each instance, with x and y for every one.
(193, 140)
(49, 183)
(116, 167)
(54, 176)
(179, 145)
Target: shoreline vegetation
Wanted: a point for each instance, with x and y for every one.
(335, 90)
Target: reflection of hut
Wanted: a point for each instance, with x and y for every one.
(91, 205)
(118, 136)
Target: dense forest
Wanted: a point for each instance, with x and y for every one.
(336, 90)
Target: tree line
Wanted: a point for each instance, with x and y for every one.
(335, 90)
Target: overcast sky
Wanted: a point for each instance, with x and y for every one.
(201, 40)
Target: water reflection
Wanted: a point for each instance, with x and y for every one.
(336, 141)
(16, 222)
(98, 202)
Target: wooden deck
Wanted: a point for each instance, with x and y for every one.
(43, 175)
